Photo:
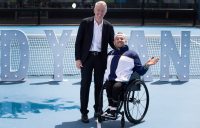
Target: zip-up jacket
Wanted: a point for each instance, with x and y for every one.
(122, 64)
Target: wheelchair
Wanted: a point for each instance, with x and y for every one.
(134, 102)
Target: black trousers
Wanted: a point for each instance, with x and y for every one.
(92, 65)
(114, 90)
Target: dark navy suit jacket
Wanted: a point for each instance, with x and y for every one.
(84, 39)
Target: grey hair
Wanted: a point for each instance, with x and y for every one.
(102, 3)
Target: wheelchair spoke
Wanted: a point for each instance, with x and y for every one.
(138, 111)
(142, 105)
(142, 93)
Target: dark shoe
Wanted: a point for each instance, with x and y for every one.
(84, 118)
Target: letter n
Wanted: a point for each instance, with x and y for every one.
(180, 58)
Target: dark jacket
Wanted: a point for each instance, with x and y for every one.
(85, 35)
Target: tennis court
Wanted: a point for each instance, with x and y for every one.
(41, 102)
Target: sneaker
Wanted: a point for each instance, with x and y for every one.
(84, 118)
(106, 112)
(112, 114)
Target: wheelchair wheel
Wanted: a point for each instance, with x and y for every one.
(136, 101)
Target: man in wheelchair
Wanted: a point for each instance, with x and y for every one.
(122, 66)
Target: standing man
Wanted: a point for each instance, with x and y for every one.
(94, 35)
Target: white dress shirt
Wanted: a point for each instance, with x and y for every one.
(97, 37)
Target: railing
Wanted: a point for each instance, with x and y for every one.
(39, 16)
(140, 11)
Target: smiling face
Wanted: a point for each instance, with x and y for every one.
(100, 10)
(119, 40)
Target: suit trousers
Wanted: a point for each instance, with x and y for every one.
(92, 66)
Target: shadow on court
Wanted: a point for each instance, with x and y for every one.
(11, 83)
(48, 82)
(176, 82)
(93, 124)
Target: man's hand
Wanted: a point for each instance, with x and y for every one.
(152, 61)
(79, 64)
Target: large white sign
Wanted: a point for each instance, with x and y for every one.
(137, 41)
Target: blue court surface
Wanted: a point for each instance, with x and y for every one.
(42, 103)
